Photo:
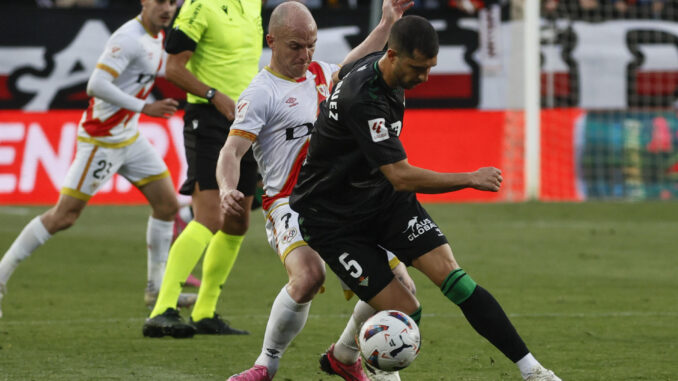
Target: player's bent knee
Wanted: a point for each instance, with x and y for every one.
(305, 285)
(166, 211)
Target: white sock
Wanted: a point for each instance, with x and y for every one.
(346, 349)
(33, 236)
(158, 240)
(527, 364)
(286, 320)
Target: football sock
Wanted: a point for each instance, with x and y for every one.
(31, 237)
(527, 364)
(416, 315)
(183, 256)
(346, 349)
(286, 320)
(219, 259)
(458, 286)
(484, 314)
(158, 241)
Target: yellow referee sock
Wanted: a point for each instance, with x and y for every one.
(183, 256)
(219, 259)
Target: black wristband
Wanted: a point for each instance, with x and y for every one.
(210, 94)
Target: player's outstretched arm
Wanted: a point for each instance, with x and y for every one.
(405, 177)
(161, 109)
(391, 11)
(228, 174)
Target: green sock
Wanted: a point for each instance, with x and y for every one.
(416, 315)
(458, 286)
(219, 259)
(183, 256)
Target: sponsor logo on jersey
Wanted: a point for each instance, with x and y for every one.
(241, 111)
(378, 129)
(416, 228)
(292, 101)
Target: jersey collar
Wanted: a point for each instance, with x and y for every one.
(138, 18)
(282, 76)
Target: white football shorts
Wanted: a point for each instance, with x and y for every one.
(282, 228)
(96, 163)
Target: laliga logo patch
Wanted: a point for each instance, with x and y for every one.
(241, 111)
(378, 129)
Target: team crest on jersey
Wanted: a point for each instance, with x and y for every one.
(378, 129)
(241, 110)
(289, 235)
(115, 51)
(323, 90)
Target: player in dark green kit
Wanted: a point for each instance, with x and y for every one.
(214, 52)
(356, 193)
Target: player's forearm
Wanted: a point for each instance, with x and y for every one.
(228, 170)
(100, 85)
(376, 40)
(178, 74)
(407, 178)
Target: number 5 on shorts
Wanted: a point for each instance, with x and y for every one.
(351, 266)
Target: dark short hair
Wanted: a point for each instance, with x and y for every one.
(412, 33)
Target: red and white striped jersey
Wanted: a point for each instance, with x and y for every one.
(133, 57)
(277, 114)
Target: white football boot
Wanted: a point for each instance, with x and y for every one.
(542, 374)
(375, 374)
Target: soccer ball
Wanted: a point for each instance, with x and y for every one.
(389, 340)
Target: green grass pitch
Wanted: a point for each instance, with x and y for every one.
(591, 287)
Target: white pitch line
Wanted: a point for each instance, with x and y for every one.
(262, 317)
(14, 211)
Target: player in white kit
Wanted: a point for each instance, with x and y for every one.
(275, 116)
(109, 142)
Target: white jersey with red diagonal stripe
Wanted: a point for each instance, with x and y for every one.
(133, 57)
(277, 114)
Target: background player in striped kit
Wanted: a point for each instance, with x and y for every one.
(109, 142)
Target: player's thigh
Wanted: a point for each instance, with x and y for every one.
(142, 164)
(408, 231)
(395, 296)
(437, 264)
(282, 228)
(92, 167)
(352, 255)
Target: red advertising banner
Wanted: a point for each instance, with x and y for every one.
(36, 150)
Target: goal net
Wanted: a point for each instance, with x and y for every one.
(609, 81)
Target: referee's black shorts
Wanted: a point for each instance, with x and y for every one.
(355, 251)
(205, 132)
